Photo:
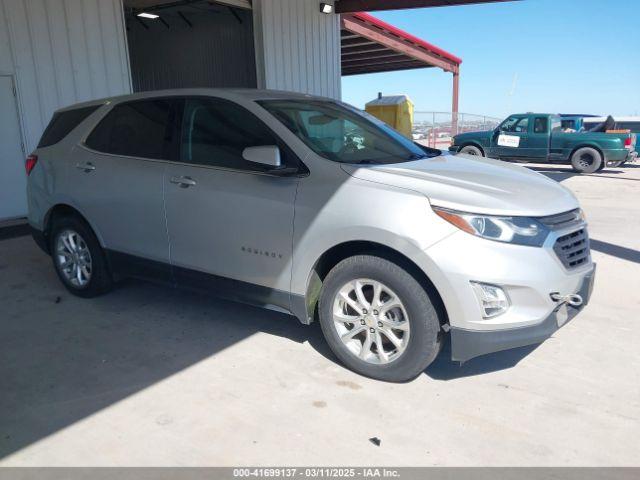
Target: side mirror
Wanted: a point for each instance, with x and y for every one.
(265, 155)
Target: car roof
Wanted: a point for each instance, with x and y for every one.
(250, 94)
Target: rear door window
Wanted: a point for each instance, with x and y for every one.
(141, 128)
(540, 125)
(63, 122)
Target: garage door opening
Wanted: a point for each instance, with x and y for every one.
(190, 44)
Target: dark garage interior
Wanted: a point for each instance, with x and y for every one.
(192, 44)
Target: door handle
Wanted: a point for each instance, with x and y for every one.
(86, 167)
(183, 182)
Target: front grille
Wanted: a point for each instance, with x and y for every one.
(573, 248)
(562, 220)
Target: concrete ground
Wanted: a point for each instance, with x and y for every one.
(151, 376)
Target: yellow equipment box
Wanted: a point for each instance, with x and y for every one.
(395, 110)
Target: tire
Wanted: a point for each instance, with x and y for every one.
(416, 318)
(586, 160)
(88, 253)
(472, 150)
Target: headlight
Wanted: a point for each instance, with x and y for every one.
(518, 230)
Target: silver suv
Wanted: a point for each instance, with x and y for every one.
(312, 207)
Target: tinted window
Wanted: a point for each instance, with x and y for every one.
(515, 124)
(342, 134)
(215, 132)
(540, 125)
(135, 129)
(567, 124)
(63, 122)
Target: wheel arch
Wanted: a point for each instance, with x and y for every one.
(474, 144)
(588, 145)
(334, 255)
(64, 210)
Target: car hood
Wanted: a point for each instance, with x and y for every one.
(473, 184)
(479, 135)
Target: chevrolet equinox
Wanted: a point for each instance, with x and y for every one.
(312, 207)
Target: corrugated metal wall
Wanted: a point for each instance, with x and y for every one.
(61, 52)
(297, 47)
(215, 50)
(58, 52)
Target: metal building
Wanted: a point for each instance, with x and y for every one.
(57, 52)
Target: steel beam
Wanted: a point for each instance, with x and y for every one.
(395, 43)
(347, 6)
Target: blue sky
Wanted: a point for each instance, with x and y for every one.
(569, 56)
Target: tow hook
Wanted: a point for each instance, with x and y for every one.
(573, 299)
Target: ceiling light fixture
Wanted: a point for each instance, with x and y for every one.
(326, 8)
(152, 16)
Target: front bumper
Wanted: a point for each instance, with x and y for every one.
(454, 148)
(468, 344)
(528, 275)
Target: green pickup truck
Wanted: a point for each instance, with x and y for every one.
(538, 137)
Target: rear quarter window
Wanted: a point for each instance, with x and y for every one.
(63, 122)
(141, 128)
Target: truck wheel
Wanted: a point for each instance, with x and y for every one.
(586, 160)
(378, 320)
(78, 258)
(472, 150)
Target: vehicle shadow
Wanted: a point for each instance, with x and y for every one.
(443, 368)
(63, 359)
(560, 173)
(618, 251)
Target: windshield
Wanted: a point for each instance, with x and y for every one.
(344, 134)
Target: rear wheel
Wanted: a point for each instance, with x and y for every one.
(378, 320)
(586, 160)
(472, 150)
(78, 258)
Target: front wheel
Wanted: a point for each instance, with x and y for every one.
(472, 150)
(586, 160)
(378, 320)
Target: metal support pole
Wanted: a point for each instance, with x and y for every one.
(433, 130)
(454, 102)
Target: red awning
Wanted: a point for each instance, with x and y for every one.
(371, 45)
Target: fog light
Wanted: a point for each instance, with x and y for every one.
(493, 300)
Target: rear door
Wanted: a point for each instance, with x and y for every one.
(230, 221)
(537, 143)
(116, 179)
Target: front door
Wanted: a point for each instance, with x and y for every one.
(230, 221)
(13, 180)
(510, 140)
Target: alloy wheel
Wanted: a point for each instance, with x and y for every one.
(371, 321)
(74, 258)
